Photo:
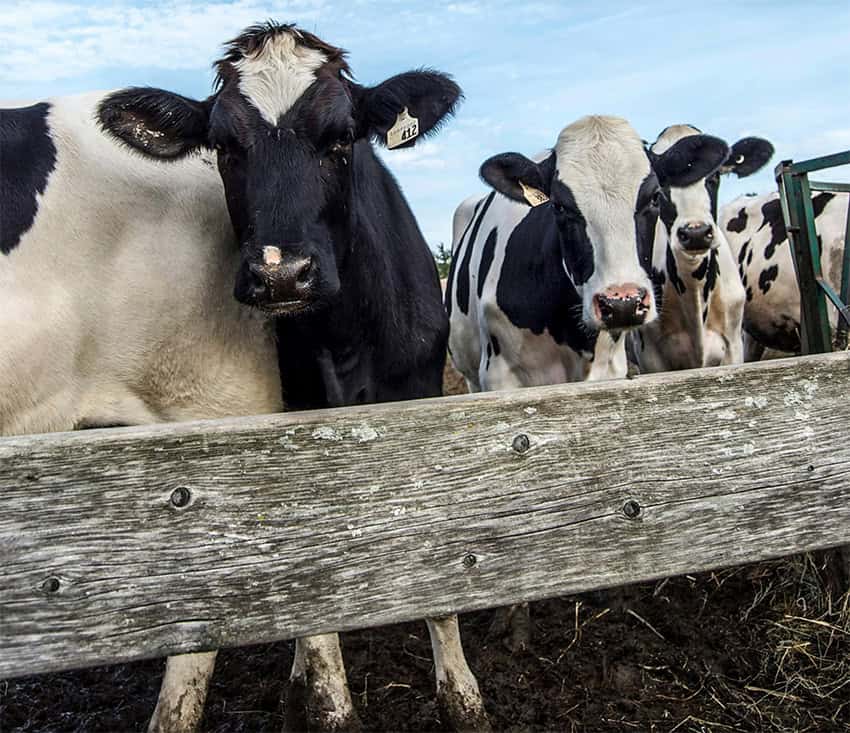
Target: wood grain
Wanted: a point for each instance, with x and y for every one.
(331, 520)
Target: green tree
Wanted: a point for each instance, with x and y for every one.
(443, 258)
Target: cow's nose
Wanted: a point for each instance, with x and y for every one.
(696, 236)
(622, 306)
(281, 278)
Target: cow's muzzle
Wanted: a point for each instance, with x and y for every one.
(280, 283)
(696, 236)
(622, 306)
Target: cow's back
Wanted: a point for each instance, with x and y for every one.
(116, 302)
(755, 229)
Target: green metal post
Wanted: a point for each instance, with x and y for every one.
(799, 217)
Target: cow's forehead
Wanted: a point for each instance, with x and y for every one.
(671, 135)
(273, 77)
(601, 159)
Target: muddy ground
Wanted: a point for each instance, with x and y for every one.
(759, 648)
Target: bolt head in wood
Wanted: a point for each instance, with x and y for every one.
(51, 585)
(631, 509)
(469, 560)
(521, 443)
(180, 497)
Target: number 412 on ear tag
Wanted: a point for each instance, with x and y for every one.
(534, 196)
(405, 129)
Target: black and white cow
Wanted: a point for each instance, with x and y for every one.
(115, 274)
(699, 294)
(551, 268)
(542, 294)
(115, 304)
(755, 229)
(330, 247)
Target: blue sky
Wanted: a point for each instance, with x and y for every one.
(769, 68)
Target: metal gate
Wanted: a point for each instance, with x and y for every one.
(795, 193)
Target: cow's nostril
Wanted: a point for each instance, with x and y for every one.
(684, 235)
(303, 270)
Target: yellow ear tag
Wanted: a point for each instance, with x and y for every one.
(534, 196)
(405, 129)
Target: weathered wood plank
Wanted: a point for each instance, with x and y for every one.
(331, 520)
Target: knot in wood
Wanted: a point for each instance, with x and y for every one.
(521, 443)
(469, 560)
(180, 497)
(631, 509)
(50, 585)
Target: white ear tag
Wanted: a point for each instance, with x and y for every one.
(534, 196)
(405, 129)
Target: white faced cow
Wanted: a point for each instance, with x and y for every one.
(115, 303)
(330, 248)
(756, 232)
(700, 297)
(542, 294)
(115, 279)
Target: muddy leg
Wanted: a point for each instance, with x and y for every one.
(513, 625)
(318, 696)
(460, 703)
(182, 694)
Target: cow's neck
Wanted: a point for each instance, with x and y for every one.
(323, 358)
(687, 299)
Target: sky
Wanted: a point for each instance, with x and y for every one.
(770, 68)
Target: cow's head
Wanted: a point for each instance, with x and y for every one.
(689, 212)
(603, 193)
(288, 124)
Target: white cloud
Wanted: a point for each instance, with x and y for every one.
(48, 41)
(426, 156)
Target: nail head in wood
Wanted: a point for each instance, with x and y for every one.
(631, 509)
(51, 585)
(469, 560)
(521, 443)
(180, 497)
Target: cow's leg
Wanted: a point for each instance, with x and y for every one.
(318, 696)
(513, 625)
(753, 349)
(460, 703)
(183, 692)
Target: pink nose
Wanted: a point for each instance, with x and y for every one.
(622, 306)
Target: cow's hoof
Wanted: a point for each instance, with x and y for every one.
(513, 625)
(462, 710)
(311, 708)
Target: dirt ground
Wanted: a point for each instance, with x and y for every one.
(759, 648)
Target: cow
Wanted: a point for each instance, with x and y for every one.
(550, 269)
(542, 294)
(699, 294)
(115, 278)
(755, 229)
(330, 249)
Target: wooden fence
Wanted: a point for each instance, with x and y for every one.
(123, 544)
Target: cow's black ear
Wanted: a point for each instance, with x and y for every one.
(690, 159)
(518, 178)
(384, 112)
(155, 122)
(747, 156)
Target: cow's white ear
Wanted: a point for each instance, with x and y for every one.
(155, 122)
(519, 178)
(747, 156)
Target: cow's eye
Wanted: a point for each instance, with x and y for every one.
(559, 207)
(655, 201)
